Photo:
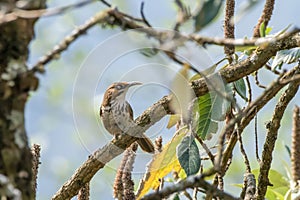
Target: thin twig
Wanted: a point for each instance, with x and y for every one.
(249, 187)
(229, 74)
(243, 151)
(31, 14)
(220, 182)
(187, 195)
(195, 192)
(295, 150)
(208, 152)
(249, 89)
(257, 81)
(183, 14)
(143, 15)
(265, 17)
(245, 117)
(201, 40)
(106, 3)
(65, 43)
(190, 182)
(101, 17)
(209, 194)
(268, 67)
(271, 137)
(256, 139)
(229, 26)
(111, 150)
(35, 150)
(115, 17)
(288, 80)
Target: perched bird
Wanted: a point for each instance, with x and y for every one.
(117, 115)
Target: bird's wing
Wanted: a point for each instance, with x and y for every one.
(129, 109)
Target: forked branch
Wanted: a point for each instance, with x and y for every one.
(160, 109)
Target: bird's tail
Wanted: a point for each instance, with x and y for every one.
(146, 144)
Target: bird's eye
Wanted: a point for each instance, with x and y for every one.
(119, 87)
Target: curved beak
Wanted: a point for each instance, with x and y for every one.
(133, 83)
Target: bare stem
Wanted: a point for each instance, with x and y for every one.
(271, 137)
(265, 17)
(35, 150)
(295, 150)
(229, 25)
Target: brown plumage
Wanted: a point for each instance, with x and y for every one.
(117, 115)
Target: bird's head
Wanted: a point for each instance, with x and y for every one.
(118, 90)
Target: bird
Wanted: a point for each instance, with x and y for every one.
(117, 114)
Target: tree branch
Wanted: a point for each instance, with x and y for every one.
(183, 14)
(106, 3)
(32, 14)
(190, 182)
(114, 17)
(201, 40)
(35, 150)
(265, 17)
(265, 165)
(229, 25)
(143, 15)
(153, 114)
(65, 43)
(295, 150)
(105, 154)
(84, 192)
(110, 16)
(16, 175)
(249, 65)
(249, 113)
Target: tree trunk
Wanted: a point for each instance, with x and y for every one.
(16, 81)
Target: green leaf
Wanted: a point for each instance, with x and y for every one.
(220, 105)
(174, 197)
(288, 150)
(262, 29)
(188, 155)
(246, 49)
(207, 13)
(276, 178)
(202, 115)
(286, 56)
(208, 109)
(268, 30)
(240, 87)
(288, 195)
(149, 52)
(280, 185)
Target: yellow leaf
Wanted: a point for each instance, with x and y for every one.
(195, 77)
(161, 165)
(181, 174)
(173, 120)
